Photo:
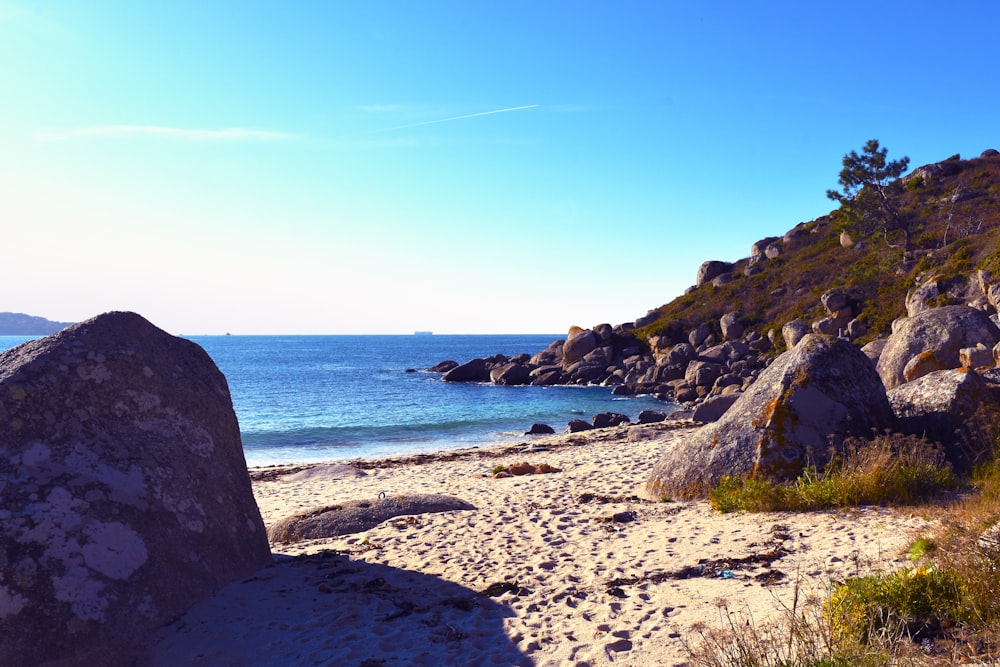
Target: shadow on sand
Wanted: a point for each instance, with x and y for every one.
(326, 609)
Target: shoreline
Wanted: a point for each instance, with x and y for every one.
(578, 566)
(528, 444)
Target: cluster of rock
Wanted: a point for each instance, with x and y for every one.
(684, 372)
(936, 369)
(710, 363)
(124, 494)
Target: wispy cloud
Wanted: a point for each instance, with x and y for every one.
(231, 134)
(453, 118)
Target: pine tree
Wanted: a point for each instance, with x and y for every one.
(871, 187)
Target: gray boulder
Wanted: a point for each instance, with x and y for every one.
(731, 327)
(759, 249)
(549, 356)
(975, 357)
(835, 301)
(474, 370)
(873, 349)
(703, 373)
(443, 366)
(934, 337)
(699, 334)
(651, 416)
(711, 270)
(359, 515)
(801, 406)
(579, 343)
(546, 376)
(606, 419)
(124, 494)
(713, 408)
(937, 289)
(510, 374)
(793, 332)
(940, 407)
(681, 353)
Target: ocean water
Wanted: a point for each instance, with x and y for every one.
(303, 399)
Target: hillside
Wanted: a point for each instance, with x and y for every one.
(953, 209)
(19, 324)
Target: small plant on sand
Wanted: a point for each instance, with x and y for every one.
(916, 603)
(923, 547)
(891, 468)
(499, 469)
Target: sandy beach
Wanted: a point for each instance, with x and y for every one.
(576, 567)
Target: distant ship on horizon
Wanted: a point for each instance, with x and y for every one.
(423, 333)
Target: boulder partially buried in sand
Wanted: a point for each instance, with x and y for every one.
(124, 494)
(359, 515)
(807, 401)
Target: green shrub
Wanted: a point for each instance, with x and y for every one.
(916, 603)
(922, 548)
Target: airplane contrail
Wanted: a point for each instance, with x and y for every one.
(446, 120)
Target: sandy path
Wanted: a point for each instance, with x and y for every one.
(602, 574)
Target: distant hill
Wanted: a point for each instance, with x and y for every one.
(19, 324)
(954, 209)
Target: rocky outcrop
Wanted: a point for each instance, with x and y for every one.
(802, 405)
(929, 173)
(931, 340)
(124, 494)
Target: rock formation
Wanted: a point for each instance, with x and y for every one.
(940, 406)
(801, 406)
(124, 494)
(932, 340)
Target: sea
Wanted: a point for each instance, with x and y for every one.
(308, 399)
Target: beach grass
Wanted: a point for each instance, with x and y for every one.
(888, 469)
(944, 609)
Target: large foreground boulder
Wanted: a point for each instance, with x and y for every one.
(124, 494)
(805, 403)
(932, 340)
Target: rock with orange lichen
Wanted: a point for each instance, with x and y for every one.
(933, 340)
(805, 403)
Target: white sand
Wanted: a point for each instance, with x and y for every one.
(590, 591)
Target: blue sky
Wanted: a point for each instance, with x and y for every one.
(461, 167)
